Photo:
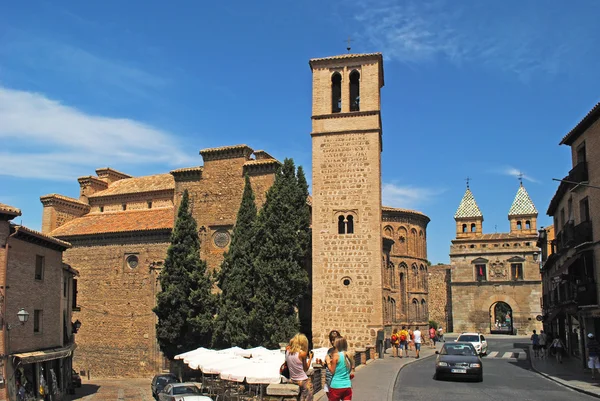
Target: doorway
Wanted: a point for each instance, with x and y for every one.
(501, 318)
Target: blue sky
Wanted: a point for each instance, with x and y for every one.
(472, 88)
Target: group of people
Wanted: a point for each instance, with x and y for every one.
(405, 339)
(339, 367)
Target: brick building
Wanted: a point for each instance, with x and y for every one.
(570, 273)
(440, 296)
(495, 278)
(34, 280)
(120, 230)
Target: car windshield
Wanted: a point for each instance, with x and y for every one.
(163, 381)
(458, 349)
(469, 338)
(185, 390)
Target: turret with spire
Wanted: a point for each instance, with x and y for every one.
(468, 216)
(523, 214)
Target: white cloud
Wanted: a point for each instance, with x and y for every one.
(61, 140)
(406, 196)
(525, 42)
(514, 172)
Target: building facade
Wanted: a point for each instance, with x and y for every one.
(495, 278)
(36, 354)
(120, 228)
(570, 272)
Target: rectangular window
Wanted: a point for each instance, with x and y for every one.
(562, 218)
(74, 296)
(39, 267)
(584, 209)
(65, 289)
(149, 204)
(581, 154)
(516, 271)
(38, 316)
(480, 272)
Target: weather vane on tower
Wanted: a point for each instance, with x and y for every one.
(348, 46)
(467, 180)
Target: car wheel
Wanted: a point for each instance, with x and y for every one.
(438, 376)
(480, 378)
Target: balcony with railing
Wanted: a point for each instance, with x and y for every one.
(573, 235)
(578, 174)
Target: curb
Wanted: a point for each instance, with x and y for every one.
(559, 381)
(390, 394)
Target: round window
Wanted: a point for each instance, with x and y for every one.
(221, 238)
(346, 281)
(132, 261)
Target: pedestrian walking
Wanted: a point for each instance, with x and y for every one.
(558, 347)
(395, 339)
(411, 338)
(535, 342)
(298, 360)
(417, 338)
(543, 343)
(432, 336)
(441, 334)
(333, 335)
(404, 341)
(593, 351)
(342, 366)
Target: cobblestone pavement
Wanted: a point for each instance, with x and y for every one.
(114, 390)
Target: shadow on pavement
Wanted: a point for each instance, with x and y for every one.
(83, 391)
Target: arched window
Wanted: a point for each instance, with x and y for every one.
(421, 244)
(415, 309)
(341, 225)
(528, 225)
(393, 275)
(464, 228)
(423, 277)
(350, 224)
(519, 225)
(402, 244)
(354, 91)
(415, 279)
(473, 228)
(424, 310)
(336, 92)
(412, 248)
(394, 310)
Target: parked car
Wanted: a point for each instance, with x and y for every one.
(478, 341)
(182, 392)
(75, 378)
(159, 382)
(458, 359)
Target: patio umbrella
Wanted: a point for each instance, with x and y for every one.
(217, 366)
(262, 372)
(197, 350)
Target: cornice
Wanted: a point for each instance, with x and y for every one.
(100, 200)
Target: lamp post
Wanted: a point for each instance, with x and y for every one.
(23, 316)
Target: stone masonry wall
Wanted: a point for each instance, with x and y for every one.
(440, 302)
(117, 337)
(346, 179)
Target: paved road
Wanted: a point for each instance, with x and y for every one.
(506, 376)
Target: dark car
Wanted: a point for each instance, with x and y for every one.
(159, 382)
(75, 378)
(458, 359)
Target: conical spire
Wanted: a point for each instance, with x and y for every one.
(522, 205)
(468, 207)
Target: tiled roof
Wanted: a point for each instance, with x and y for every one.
(148, 183)
(583, 125)
(188, 170)
(495, 236)
(522, 205)
(28, 233)
(6, 209)
(46, 199)
(345, 56)
(468, 207)
(261, 162)
(397, 209)
(226, 148)
(106, 171)
(116, 222)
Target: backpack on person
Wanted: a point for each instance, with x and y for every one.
(394, 338)
(403, 335)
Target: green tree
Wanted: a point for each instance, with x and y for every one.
(282, 241)
(185, 306)
(236, 278)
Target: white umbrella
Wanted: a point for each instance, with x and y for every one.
(235, 374)
(197, 355)
(197, 350)
(263, 373)
(217, 366)
(199, 361)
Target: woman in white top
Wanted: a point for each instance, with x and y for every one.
(558, 347)
(298, 360)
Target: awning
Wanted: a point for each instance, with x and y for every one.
(46, 355)
(564, 269)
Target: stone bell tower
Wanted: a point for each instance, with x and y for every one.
(346, 201)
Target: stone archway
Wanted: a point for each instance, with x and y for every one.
(501, 318)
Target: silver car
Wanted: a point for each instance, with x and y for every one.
(182, 391)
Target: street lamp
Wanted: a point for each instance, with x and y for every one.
(76, 326)
(23, 316)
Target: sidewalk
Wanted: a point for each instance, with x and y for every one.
(376, 379)
(569, 373)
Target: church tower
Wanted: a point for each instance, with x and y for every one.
(523, 214)
(346, 201)
(468, 217)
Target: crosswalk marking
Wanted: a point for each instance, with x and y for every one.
(521, 356)
(492, 354)
(507, 355)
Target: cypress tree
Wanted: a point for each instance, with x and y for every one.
(236, 278)
(281, 240)
(185, 305)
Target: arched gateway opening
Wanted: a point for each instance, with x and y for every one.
(501, 318)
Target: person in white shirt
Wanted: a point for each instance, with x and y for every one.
(417, 334)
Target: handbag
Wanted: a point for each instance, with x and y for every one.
(284, 370)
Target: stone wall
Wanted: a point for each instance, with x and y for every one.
(117, 337)
(440, 296)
